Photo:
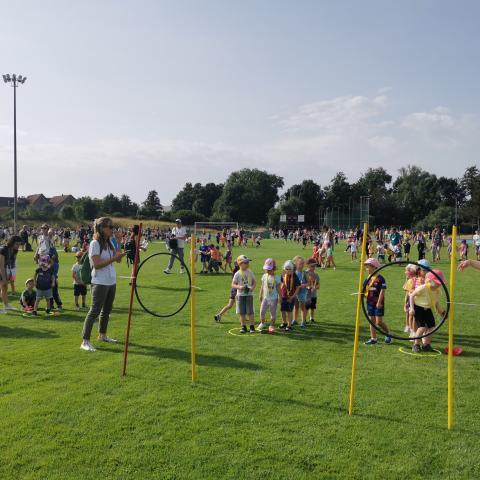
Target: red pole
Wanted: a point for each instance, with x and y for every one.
(132, 289)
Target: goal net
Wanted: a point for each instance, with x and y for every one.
(206, 230)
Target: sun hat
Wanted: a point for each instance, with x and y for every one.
(288, 265)
(424, 263)
(242, 259)
(269, 264)
(28, 280)
(431, 277)
(373, 262)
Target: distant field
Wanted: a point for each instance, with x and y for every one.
(264, 407)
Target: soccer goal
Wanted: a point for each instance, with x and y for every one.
(203, 229)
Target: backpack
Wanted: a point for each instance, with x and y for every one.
(85, 272)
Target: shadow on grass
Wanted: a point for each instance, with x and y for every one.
(183, 356)
(20, 332)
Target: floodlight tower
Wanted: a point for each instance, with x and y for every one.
(15, 81)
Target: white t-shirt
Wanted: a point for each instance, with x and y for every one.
(76, 270)
(105, 275)
(244, 278)
(476, 240)
(44, 245)
(179, 232)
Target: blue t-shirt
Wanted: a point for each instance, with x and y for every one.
(395, 238)
(302, 278)
(204, 250)
(44, 278)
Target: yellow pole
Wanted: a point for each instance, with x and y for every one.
(451, 317)
(192, 308)
(357, 320)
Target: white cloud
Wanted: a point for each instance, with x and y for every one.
(348, 133)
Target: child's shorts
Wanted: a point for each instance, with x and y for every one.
(302, 296)
(424, 317)
(79, 290)
(233, 293)
(286, 306)
(245, 305)
(311, 303)
(44, 294)
(204, 258)
(373, 311)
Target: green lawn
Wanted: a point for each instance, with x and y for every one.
(269, 407)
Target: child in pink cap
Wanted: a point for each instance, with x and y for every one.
(269, 294)
(423, 300)
(375, 294)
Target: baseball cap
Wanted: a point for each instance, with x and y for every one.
(269, 264)
(424, 263)
(242, 259)
(288, 265)
(373, 262)
(430, 276)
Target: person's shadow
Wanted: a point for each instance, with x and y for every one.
(21, 332)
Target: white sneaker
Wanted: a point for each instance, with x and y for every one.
(107, 339)
(166, 270)
(406, 329)
(88, 347)
(8, 307)
(77, 308)
(3, 311)
(261, 326)
(182, 270)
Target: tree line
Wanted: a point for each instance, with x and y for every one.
(416, 198)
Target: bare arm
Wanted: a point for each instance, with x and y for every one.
(469, 263)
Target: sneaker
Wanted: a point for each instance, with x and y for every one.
(88, 347)
(217, 318)
(8, 307)
(294, 322)
(288, 329)
(303, 325)
(371, 341)
(261, 326)
(167, 271)
(58, 309)
(243, 329)
(312, 320)
(77, 307)
(388, 340)
(406, 329)
(252, 328)
(427, 348)
(3, 312)
(271, 329)
(106, 339)
(416, 349)
(283, 326)
(182, 270)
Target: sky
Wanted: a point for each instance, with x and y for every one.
(126, 96)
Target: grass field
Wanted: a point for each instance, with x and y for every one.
(269, 407)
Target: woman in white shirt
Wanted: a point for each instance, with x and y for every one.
(102, 255)
(177, 244)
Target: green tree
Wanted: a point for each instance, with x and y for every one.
(311, 195)
(111, 204)
(86, 208)
(151, 207)
(67, 213)
(248, 195)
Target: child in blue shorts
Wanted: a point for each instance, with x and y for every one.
(289, 289)
(301, 298)
(375, 293)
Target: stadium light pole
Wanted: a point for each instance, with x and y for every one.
(15, 81)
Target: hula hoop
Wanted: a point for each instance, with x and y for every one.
(432, 354)
(398, 337)
(189, 285)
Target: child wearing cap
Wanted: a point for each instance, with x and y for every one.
(244, 282)
(27, 299)
(313, 284)
(289, 289)
(423, 300)
(79, 288)
(374, 290)
(269, 293)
